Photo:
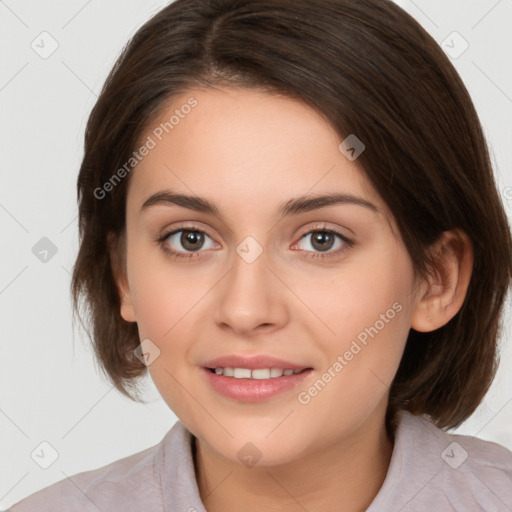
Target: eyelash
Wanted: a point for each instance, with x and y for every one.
(348, 243)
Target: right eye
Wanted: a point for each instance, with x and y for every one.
(190, 240)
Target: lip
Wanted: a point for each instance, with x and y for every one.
(252, 362)
(253, 390)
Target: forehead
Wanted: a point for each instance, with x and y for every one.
(243, 146)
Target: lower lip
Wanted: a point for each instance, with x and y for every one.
(254, 390)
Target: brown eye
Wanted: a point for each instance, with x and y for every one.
(319, 243)
(191, 240)
(183, 243)
(322, 240)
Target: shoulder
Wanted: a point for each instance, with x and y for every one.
(125, 484)
(474, 469)
(431, 467)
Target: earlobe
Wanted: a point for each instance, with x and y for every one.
(127, 311)
(442, 294)
(116, 248)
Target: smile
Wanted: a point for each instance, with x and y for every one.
(254, 385)
(259, 373)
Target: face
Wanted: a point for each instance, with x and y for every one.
(328, 289)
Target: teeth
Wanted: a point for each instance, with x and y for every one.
(260, 373)
(276, 372)
(227, 372)
(242, 373)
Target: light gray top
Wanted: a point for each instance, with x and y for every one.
(430, 470)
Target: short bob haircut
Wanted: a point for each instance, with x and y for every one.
(370, 69)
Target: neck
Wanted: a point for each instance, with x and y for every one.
(345, 476)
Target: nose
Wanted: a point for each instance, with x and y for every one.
(251, 298)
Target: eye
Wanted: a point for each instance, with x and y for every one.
(323, 240)
(181, 242)
(187, 242)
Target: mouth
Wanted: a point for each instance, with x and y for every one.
(256, 373)
(254, 385)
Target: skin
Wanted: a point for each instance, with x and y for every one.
(249, 152)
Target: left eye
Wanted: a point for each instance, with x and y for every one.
(325, 239)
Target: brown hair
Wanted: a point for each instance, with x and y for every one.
(371, 70)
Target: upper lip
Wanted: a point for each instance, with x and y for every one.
(252, 362)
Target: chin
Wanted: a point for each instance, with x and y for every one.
(252, 447)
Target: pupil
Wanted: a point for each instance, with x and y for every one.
(191, 238)
(322, 239)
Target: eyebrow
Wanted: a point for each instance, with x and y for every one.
(291, 207)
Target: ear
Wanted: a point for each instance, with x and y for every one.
(117, 252)
(441, 296)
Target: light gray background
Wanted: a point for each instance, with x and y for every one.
(51, 389)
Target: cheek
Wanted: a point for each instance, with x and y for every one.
(367, 312)
(353, 297)
(164, 293)
(166, 298)
(364, 314)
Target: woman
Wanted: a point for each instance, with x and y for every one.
(288, 217)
